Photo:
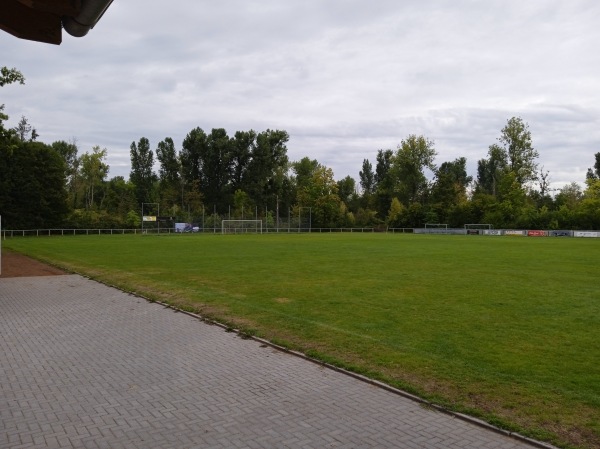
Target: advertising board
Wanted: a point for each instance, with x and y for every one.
(537, 233)
(492, 232)
(514, 233)
(586, 234)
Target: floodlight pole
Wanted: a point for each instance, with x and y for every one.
(277, 207)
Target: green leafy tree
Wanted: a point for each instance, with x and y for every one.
(120, 199)
(304, 169)
(32, 186)
(9, 76)
(367, 178)
(347, 190)
(133, 219)
(93, 172)
(320, 194)
(594, 173)
(383, 178)
(367, 201)
(268, 158)
(169, 165)
(450, 187)
(587, 212)
(243, 208)
(385, 181)
(68, 152)
(24, 131)
(142, 175)
(414, 155)
(215, 162)
(396, 217)
(569, 196)
(242, 149)
(516, 140)
(169, 179)
(193, 147)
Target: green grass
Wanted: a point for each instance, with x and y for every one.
(507, 329)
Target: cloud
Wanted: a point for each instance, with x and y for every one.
(345, 78)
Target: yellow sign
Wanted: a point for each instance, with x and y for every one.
(149, 218)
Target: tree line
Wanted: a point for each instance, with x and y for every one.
(215, 174)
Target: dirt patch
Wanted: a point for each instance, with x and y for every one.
(18, 265)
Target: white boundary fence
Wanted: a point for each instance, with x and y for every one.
(11, 233)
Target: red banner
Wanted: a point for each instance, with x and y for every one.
(537, 233)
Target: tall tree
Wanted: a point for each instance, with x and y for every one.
(516, 140)
(242, 149)
(194, 145)
(169, 165)
(120, 199)
(491, 170)
(383, 178)
(93, 173)
(346, 189)
(4, 133)
(32, 186)
(451, 182)
(215, 162)
(68, 152)
(269, 155)
(24, 131)
(594, 173)
(367, 178)
(569, 195)
(8, 76)
(170, 187)
(304, 170)
(142, 174)
(414, 155)
(384, 181)
(320, 194)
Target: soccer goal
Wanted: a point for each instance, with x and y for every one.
(241, 227)
(436, 225)
(478, 226)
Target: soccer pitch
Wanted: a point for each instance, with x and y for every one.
(507, 329)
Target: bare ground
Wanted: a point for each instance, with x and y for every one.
(18, 265)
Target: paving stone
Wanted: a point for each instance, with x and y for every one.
(85, 365)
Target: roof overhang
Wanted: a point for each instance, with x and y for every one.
(43, 20)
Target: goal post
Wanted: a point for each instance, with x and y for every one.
(241, 227)
(436, 225)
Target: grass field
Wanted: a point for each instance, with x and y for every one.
(506, 329)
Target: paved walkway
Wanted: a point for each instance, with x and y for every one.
(83, 365)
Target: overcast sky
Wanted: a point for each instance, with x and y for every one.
(345, 78)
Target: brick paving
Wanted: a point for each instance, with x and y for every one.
(83, 365)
